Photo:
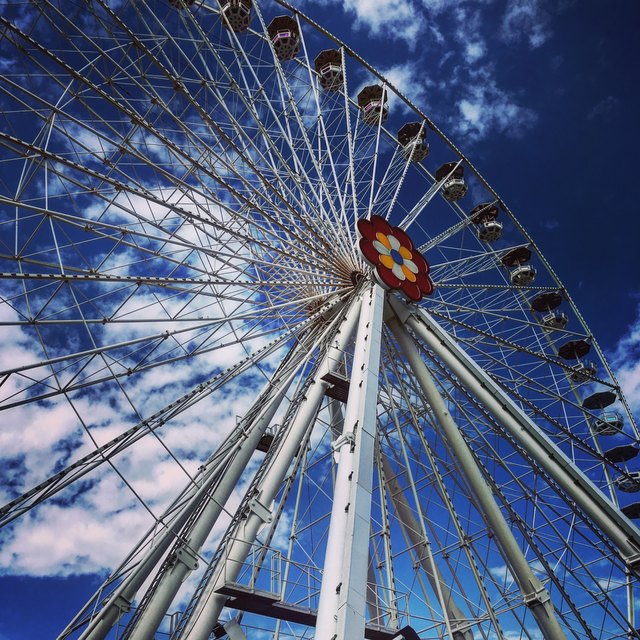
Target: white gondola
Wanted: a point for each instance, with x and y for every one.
(608, 424)
(523, 275)
(484, 217)
(371, 112)
(412, 137)
(490, 231)
(629, 482)
(555, 320)
(454, 187)
(547, 304)
(285, 36)
(583, 371)
(416, 150)
(328, 65)
(372, 101)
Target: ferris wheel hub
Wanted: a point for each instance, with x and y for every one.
(356, 277)
(398, 264)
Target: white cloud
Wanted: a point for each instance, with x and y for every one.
(470, 112)
(68, 535)
(400, 20)
(610, 585)
(454, 63)
(397, 20)
(89, 527)
(486, 109)
(606, 108)
(626, 363)
(436, 7)
(502, 574)
(516, 634)
(410, 79)
(469, 23)
(526, 20)
(475, 50)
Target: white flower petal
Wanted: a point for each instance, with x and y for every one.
(398, 272)
(394, 242)
(380, 248)
(410, 265)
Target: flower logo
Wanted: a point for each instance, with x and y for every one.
(398, 264)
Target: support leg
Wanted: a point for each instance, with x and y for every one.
(417, 534)
(207, 610)
(215, 490)
(184, 557)
(533, 592)
(622, 532)
(343, 594)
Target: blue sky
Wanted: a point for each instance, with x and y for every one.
(541, 95)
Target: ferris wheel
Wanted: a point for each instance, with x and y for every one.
(255, 296)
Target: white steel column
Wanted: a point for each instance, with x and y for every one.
(235, 462)
(343, 594)
(534, 594)
(623, 533)
(185, 557)
(206, 612)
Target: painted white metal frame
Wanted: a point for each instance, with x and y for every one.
(216, 492)
(620, 530)
(207, 610)
(535, 596)
(343, 594)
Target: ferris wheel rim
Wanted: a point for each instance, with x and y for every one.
(303, 249)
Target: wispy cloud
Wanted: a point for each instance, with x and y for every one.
(606, 108)
(469, 23)
(396, 20)
(475, 50)
(487, 109)
(626, 362)
(455, 63)
(67, 535)
(526, 20)
(409, 80)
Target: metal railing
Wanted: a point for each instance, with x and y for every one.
(268, 573)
